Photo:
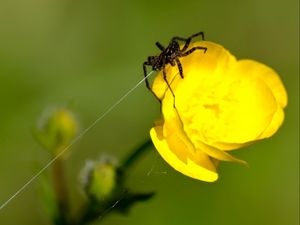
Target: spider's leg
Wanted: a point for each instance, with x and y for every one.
(192, 50)
(190, 37)
(160, 46)
(179, 67)
(198, 34)
(145, 64)
(188, 40)
(168, 84)
(179, 39)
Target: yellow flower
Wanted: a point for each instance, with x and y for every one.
(222, 104)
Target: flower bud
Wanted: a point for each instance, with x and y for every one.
(99, 178)
(56, 129)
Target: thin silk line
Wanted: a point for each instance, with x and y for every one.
(80, 135)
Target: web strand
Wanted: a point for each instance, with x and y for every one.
(75, 140)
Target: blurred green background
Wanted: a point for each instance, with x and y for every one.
(87, 53)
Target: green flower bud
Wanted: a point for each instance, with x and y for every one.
(56, 129)
(99, 179)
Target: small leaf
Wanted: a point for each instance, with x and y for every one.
(130, 198)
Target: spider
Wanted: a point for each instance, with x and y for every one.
(170, 55)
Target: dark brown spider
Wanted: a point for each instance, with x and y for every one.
(170, 55)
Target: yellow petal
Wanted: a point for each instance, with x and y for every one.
(272, 80)
(178, 140)
(266, 74)
(225, 106)
(215, 59)
(276, 122)
(218, 154)
(188, 168)
(229, 146)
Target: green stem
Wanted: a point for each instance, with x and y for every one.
(136, 154)
(61, 192)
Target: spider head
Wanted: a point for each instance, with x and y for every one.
(155, 62)
(174, 46)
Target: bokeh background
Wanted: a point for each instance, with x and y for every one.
(86, 53)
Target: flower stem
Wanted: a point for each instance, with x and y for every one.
(61, 192)
(136, 154)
